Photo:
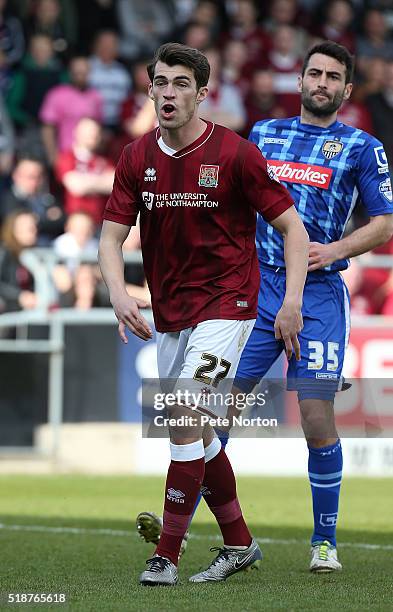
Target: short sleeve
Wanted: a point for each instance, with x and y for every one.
(373, 180)
(122, 206)
(65, 163)
(97, 106)
(261, 187)
(50, 109)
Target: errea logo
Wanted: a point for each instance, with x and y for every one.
(150, 174)
(175, 496)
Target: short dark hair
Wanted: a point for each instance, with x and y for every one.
(174, 53)
(338, 52)
(29, 157)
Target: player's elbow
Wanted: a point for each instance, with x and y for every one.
(386, 230)
(389, 228)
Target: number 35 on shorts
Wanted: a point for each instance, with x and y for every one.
(321, 357)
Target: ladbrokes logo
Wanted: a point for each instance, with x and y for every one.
(305, 174)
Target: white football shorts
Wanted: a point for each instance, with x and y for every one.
(197, 365)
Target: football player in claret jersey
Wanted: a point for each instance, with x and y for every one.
(197, 188)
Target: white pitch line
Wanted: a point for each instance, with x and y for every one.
(130, 534)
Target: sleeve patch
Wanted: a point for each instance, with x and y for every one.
(385, 189)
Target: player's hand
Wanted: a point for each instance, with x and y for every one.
(321, 255)
(288, 323)
(127, 311)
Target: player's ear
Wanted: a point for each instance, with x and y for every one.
(150, 91)
(348, 91)
(201, 95)
(299, 84)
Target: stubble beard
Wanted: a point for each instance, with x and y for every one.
(330, 107)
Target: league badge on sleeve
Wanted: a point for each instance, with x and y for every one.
(331, 148)
(382, 160)
(385, 189)
(208, 176)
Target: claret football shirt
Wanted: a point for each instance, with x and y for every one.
(197, 210)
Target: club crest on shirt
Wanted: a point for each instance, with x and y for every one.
(208, 176)
(331, 148)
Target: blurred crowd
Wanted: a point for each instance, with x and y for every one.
(73, 92)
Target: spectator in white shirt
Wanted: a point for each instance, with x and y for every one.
(224, 105)
(110, 78)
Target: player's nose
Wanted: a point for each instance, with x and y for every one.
(169, 91)
(323, 80)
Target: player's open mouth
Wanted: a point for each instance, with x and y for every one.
(168, 110)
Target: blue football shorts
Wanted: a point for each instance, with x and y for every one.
(323, 339)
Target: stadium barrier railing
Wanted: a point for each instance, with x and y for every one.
(40, 262)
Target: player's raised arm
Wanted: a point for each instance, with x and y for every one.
(111, 261)
(289, 321)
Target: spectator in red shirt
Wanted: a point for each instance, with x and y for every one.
(87, 177)
(137, 113)
(286, 13)
(244, 26)
(236, 68)
(262, 102)
(224, 104)
(196, 35)
(336, 24)
(355, 114)
(286, 65)
(377, 284)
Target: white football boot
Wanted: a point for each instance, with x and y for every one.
(160, 572)
(324, 558)
(230, 561)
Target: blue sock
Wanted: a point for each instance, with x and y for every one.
(223, 437)
(325, 471)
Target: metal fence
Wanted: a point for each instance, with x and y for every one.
(41, 262)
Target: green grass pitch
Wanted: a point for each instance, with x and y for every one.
(97, 558)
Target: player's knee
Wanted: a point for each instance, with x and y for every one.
(321, 442)
(185, 426)
(318, 419)
(208, 435)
